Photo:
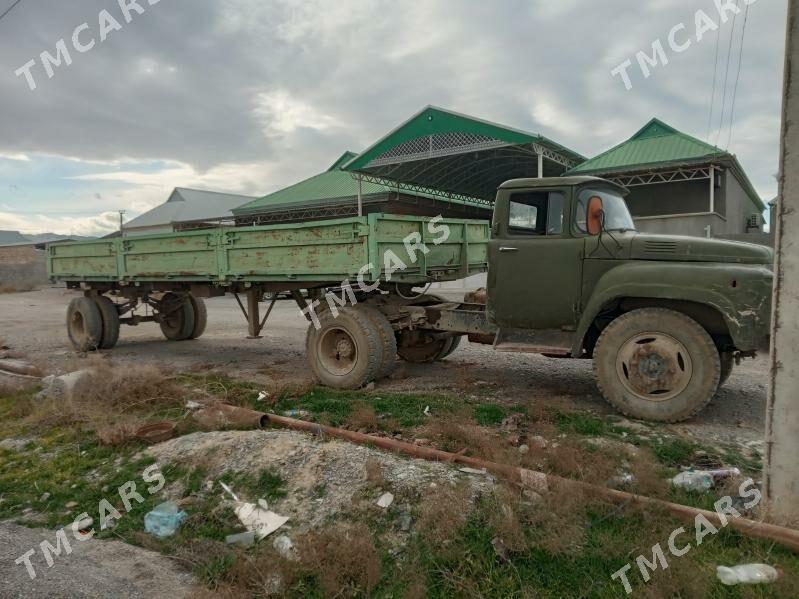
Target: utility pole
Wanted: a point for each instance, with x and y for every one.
(781, 475)
(122, 222)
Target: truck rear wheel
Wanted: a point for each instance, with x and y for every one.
(110, 316)
(178, 320)
(346, 351)
(200, 317)
(657, 364)
(84, 324)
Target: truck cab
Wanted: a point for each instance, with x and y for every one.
(664, 317)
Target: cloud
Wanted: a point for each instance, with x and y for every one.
(249, 96)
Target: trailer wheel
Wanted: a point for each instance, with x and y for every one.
(110, 316)
(177, 312)
(200, 317)
(346, 351)
(657, 364)
(727, 364)
(421, 347)
(388, 340)
(84, 324)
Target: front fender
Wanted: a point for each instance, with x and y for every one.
(740, 293)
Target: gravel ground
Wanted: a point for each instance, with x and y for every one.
(33, 323)
(94, 570)
(323, 478)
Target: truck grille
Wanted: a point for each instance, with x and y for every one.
(660, 247)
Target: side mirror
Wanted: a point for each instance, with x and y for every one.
(595, 214)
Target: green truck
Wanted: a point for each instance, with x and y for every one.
(664, 318)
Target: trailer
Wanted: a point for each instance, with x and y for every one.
(664, 318)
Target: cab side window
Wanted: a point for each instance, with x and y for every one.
(536, 213)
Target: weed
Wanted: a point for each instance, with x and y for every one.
(343, 558)
(674, 452)
(489, 414)
(581, 424)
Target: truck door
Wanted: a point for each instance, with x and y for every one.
(535, 265)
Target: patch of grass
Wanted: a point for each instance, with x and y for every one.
(61, 468)
(266, 484)
(489, 414)
(335, 407)
(674, 452)
(581, 423)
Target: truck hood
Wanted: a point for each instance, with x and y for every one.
(646, 246)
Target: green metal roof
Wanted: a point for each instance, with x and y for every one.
(443, 152)
(658, 145)
(329, 187)
(655, 144)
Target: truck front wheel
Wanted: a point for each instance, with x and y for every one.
(345, 351)
(657, 364)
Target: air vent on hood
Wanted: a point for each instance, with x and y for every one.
(660, 247)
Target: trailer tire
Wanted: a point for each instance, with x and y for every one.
(346, 351)
(200, 317)
(657, 364)
(388, 340)
(84, 324)
(178, 323)
(110, 316)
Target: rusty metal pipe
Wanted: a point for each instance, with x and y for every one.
(539, 481)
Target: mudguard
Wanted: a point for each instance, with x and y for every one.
(741, 293)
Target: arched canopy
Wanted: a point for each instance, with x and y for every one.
(443, 152)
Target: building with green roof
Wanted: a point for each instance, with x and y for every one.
(679, 184)
(335, 193)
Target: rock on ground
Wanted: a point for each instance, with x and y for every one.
(94, 570)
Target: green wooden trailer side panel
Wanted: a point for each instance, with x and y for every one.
(412, 249)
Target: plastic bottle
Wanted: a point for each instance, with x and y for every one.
(747, 574)
(694, 480)
(702, 480)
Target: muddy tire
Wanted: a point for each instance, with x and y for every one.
(178, 313)
(657, 364)
(200, 317)
(346, 351)
(421, 347)
(388, 341)
(727, 364)
(84, 324)
(110, 316)
(453, 344)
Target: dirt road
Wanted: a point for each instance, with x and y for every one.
(33, 323)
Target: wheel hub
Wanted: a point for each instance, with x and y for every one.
(338, 352)
(654, 366)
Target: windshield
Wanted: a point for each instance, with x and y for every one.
(617, 216)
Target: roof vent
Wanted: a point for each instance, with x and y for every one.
(660, 247)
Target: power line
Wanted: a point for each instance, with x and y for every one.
(9, 9)
(737, 77)
(727, 74)
(713, 95)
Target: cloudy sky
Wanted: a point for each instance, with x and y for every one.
(251, 95)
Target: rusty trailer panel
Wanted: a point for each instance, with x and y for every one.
(321, 251)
